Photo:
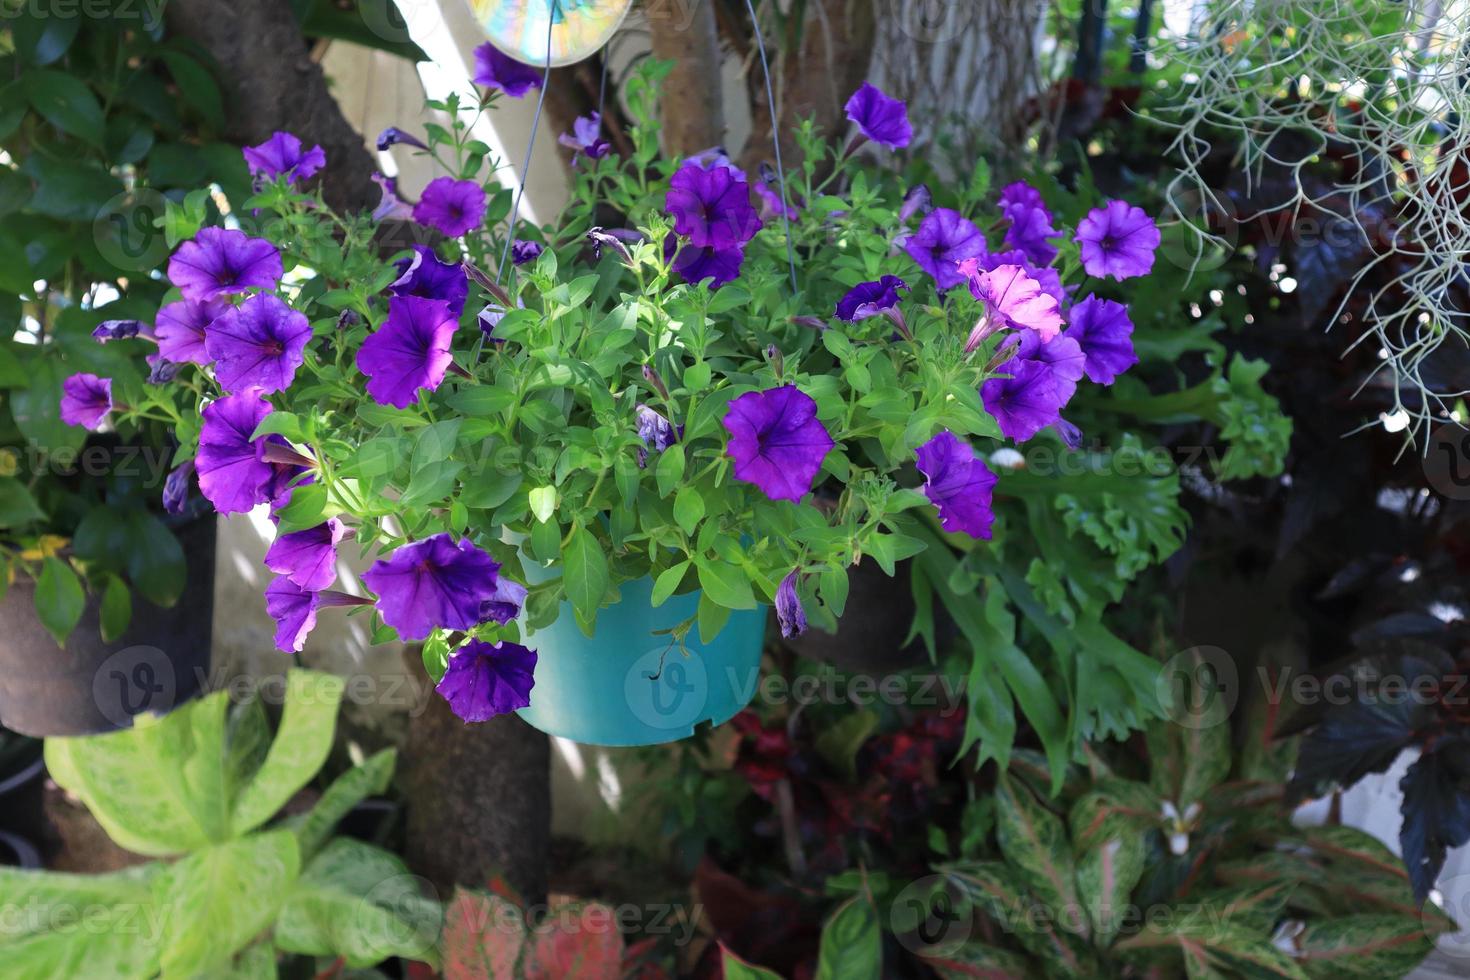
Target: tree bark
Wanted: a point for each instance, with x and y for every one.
(693, 105)
(272, 84)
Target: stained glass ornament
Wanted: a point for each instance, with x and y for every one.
(577, 28)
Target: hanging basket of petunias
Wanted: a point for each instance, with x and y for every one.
(585, 462)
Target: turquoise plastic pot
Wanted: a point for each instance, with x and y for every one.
(628, 686)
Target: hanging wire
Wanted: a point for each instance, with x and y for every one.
(776, 141)
(515, 210)
(602, 87)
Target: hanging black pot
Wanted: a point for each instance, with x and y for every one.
(870, 637)
(90, 686)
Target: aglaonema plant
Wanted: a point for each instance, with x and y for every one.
(233, 885)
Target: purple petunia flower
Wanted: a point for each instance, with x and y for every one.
(1030, 223)
(722, 265)
(586, 138)
(711, 207)
(160, 369)
(483, 680)
(287, 467)
(1105, 333)
(958, 484)
(433, 584)
(221, 261)
(390, 207)
(180, 329)
(408, 352)
(258, 344)
(86, 400)
(1012, 300)
(523, 251)
(110, 330)
(392, 136)
(294, 610)
(176, 488)
(918, 200)
(282, 156)
(308, 558)
(870, 299)
(1047, 277)
(496, 70)
(506, 602)
(1117, 240)
(788, 607)
(772, 206)
(231, 473)
(880, 118)
(944, 240)
(657, 433)
(1024, 403)
(1062, 356)
(422, 274)
(776, 441)
(453, 207)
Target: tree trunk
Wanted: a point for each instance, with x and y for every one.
(693, 109)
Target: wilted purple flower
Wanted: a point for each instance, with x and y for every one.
(180, 329)
(880, 118)
(422, 274)
(711, 207)
(1030, 222)
(1062, 356)
(390, 207)
(408, 352)
(453, 207)
(109, 330)
(282, 156)
(433, 584)
(1024, 403)
(788, 607)
(258, 344)
(776, 441)
(308, 558)
(392, 136)
(86, 400)
(523, 251)
(944, 240)
(1012, 299)
(483, 680)
(870, 299)
(1117, 240)
(231, 472)
(220, 261)
(958, 484)
(1105, 333)
(722, 265)
(500, 71)
(506, 602)
(602, 238)
(161, 370)
(176, 488)
(657, 433)
(586, 137)
(917, 200)
(489, 318)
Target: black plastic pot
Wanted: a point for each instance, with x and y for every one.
(17, 852)
(22, 779)
(869, 638)
(91, 686)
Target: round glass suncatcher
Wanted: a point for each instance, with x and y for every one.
(578, 28)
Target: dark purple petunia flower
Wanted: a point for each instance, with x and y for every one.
(944, 240)
(1012, 300)
(722, 265)
(711, 207)
(489, 318)
(453, 207)
(433, 584)
(776, 441)
(422, 274)
(294, 610)
(715, 156)
(523, 251)
(176, 488)
(506, 603)
(109, 330)
(161, 370)
(180, 329)
(586, 138)
(231, 473)
(282, 156)
(1024, 403)
(483, 680)
(1062, 356)
(788, 607)
(870, 299)
(308, 558)
(879, 118)
(86, 400)
(221, 261)
(390, 207)
(392, 136)
(657, 433)
(258, 344)
(408, 352)
(1105, 333)
(1117, 240)
(1030, 223)
(958, 484)
(287, 468)
(500, 71)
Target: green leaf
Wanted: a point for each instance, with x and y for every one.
(712, 618)
(543, 503)
(369, 778)
(1110, 852)
(975, 960)
(65, 102)
(117, 609)
(17, 506)
(688, 509)
(1369, 945)
(724, 583)
(670, 469)
(155, 560)
(45, 942)
(300, 748)
(59, 599)
(737, 969)
(197, 87)
(840, 742)
(852, 946)
(668, 581)
(220, 898)
(358, 902)
(1035, 845)
(584, 573)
